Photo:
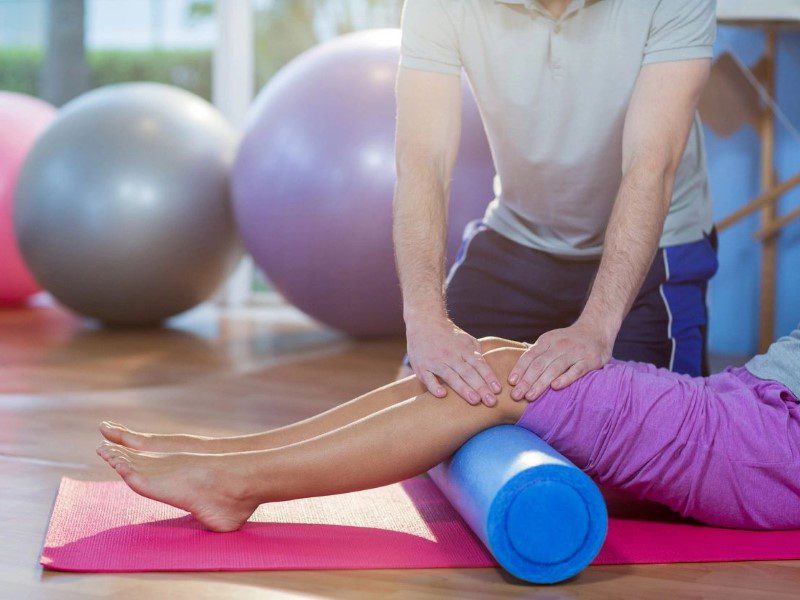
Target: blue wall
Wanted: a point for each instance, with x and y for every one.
(734, 171)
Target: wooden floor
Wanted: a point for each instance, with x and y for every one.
(228, 374)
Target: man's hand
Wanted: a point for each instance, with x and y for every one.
(438, 350)
(558, 358)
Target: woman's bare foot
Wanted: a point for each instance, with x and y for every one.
(213, 488)
(154, 442)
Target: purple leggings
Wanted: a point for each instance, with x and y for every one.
(723, 449)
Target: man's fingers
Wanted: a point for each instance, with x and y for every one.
(519, 369)
(487, 373)
(575, 372)
(555, 369)
(452, 378)
(541, 345)
(478, 387)
(433, 385)
(534, 371)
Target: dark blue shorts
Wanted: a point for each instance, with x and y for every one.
(501, 288)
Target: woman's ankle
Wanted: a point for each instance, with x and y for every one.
(245, 476)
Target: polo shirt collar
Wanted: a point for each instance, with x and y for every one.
(573, 7)
(537, 4)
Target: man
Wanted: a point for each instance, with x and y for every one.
(600, 238)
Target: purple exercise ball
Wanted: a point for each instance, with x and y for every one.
(314, 179)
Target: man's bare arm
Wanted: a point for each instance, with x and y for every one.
(428, 133)
(657, 126)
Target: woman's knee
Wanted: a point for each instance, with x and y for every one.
(490, 343)
(502, 360)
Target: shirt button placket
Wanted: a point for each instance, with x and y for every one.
(555, 51)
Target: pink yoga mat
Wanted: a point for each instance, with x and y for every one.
(105, 527)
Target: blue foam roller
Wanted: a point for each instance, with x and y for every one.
(542, 518)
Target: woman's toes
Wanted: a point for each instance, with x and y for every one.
(107, 450)
(122, 465)
(111, 431)
(103, 450)
(118, 434)
(115, 453)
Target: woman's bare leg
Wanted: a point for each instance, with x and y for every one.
(399, 441)
(327, 421)
(339, 416)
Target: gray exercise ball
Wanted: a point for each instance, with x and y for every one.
(122, 209)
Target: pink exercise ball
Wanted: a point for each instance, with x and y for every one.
(22, 119)
(314, 179)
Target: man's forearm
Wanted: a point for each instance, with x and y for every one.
(420, 219)
(427, 141)
(631, 242)
(439, 352)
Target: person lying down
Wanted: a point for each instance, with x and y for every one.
(723, 449)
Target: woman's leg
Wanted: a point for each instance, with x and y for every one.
(399, 441)
(328, 421)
